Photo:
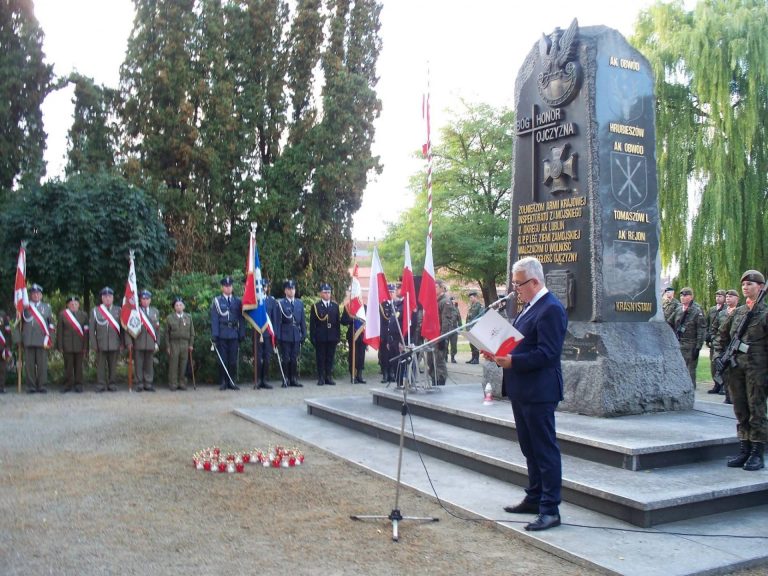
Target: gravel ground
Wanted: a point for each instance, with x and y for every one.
(104, 484)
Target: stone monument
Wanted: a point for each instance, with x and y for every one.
(585, 203)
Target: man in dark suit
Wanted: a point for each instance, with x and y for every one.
(534, 383)
(291, 331)
(325, 333)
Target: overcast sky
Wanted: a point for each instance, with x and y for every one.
(473, 49)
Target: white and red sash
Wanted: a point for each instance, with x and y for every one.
(148, 325)
(109, 318)
(43, 325)
(72, 320)
(3, 341)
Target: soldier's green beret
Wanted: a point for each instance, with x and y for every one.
(753, 276)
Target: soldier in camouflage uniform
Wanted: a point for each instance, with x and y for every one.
(438, 370)
(475, 309)
(690, 328)
(712, 325)
(731, 303)
(747, 380)
(669, 305)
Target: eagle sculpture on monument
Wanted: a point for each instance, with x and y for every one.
(560, 77)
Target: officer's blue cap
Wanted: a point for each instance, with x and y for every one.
(325, 287)
(145, 294)
(289, 284)
(106, 291)
(265, 282)
(36, 288)
(226, 281)
(391, 287)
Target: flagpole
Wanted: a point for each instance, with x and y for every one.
(19, 367)
(428, 153)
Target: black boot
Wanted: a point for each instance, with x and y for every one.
(715, 389)
(755, 461)
(359, 377)
(745, 447)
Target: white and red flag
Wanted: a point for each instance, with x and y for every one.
(408, 292)
(130, 317)
(20, 295)
(430, 324)
(355, 307)
(377, 294)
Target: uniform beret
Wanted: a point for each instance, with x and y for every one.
(753, 276)
(720, 293)
(226, 281)
(732, 292)
(687, 291)
(472, 293)
(145, 294)
(36, 288)
(325, 287)
(669, 289)
(289, 284)
(106, 291)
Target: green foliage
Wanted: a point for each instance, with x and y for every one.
(258, 111)
(92, 137)
(79, 233)
(712, 105)
(471, 189)
(24, 84)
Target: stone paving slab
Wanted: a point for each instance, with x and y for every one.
(587, 538)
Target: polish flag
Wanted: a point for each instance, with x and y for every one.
(430, 324)
(377, 293)
(130, 317)
(408, 292)
(20, 295)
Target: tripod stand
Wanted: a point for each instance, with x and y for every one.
(395, 516)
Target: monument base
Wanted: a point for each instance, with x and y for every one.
(617, 369)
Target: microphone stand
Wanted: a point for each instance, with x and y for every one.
(395, 516)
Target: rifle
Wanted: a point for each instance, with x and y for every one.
(727, 359)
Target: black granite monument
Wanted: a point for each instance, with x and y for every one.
(585, 203)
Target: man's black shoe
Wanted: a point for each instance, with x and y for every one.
(295, 384)
(329, 382)
(233, 387)
(285, 384)
(543, 522)
(359, 380)
(222, 387)
(470, 361)
(265, 386)
(42, 390)
(320, 381)
(525, 507)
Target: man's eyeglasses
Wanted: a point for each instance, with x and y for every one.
(516, 285)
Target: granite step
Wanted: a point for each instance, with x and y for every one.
(642, 498)
(638, 442)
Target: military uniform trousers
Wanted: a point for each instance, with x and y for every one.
(178, 354)
(3, 371)
(35, 367)
(690, 362)
(747, 387)
(73, 370)
(289, 354)
(227, 348)
(106, 368)
(143, 361)
(325, 354)
(264, 346)
(436, 361)
(453, 341)
(359, 360)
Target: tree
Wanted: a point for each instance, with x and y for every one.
(24, 83)
(712, 106)
(93, 135)
(80, 231)
(471, 191)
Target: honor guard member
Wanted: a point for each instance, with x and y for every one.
(438, 370)
(227, 330)
(690, 328)
(5, 348)
(180, 340)
(325, 333)
(104, 327)
(355, 329)
(72, 342)
(747, 380)
(291, 331)
(146, 343)
(731, 304)
(712, 326)
(454, 321)
(387, 322)
(37, 339)
(475, 309)
(669, 305)
(264, 341)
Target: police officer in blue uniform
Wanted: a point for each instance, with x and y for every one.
(264, 341)
(227, 330)
(325, 333)
(291, 331)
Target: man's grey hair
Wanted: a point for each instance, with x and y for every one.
(441, 284)
(531, 267)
